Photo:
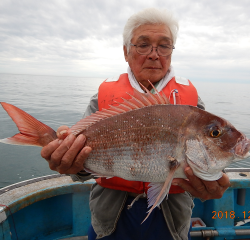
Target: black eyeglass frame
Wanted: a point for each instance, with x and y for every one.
(173, 47)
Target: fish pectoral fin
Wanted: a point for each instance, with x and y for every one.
(158, 191)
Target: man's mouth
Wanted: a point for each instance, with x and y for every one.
(152, 68)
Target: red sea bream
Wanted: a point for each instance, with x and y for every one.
(147, 139)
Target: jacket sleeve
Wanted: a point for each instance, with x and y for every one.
(91, 108)
(200, 104)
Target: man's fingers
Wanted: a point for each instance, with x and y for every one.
(212, 188)
(79, 161)
(58, 154)
(68, 158)
(68, 155)
(55, 150)
(204, 189)
(201, 188)
(62, 132)
(49, 149)
(217, 188)
(224, 181)
(184, 184)
(195, 181)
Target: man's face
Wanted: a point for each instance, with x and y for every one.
(152, 66)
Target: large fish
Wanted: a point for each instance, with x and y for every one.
(146, 139)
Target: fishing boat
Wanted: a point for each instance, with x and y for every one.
(55, 207)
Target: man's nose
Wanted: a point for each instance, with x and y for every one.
(153, 54)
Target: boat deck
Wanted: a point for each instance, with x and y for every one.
(55, 207)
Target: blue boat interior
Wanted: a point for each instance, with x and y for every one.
(55, 207)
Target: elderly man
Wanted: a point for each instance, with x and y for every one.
(149, 38)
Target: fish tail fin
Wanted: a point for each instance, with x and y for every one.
(32, 131)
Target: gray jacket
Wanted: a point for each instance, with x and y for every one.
(105, 212)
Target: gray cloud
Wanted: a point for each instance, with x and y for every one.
(84, 38)
(74, 19)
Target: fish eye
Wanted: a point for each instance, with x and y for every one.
(215, 133)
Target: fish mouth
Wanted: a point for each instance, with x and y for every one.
(242, 148)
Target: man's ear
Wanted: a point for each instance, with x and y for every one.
(125, 53)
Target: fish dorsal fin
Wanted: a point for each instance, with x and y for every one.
(138, 100)
(156, 98)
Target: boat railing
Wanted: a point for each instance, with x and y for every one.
(55, 207)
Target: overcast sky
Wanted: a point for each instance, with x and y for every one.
(84, 37)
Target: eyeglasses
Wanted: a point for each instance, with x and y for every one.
(162, 50)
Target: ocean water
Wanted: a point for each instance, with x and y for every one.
(58, 101)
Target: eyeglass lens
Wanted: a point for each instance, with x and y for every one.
(162, 50)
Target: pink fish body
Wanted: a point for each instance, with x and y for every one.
(140, 146)
(147, 139)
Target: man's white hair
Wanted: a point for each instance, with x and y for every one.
(149, 16)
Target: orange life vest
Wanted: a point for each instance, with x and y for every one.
(111, 92)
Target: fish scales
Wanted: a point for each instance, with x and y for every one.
(135, 145)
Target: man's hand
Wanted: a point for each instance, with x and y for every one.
(66, 156)
(200, 188)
